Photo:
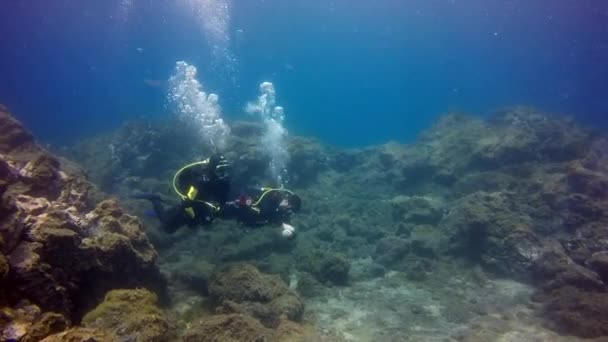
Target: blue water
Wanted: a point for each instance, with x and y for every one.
(349, 72)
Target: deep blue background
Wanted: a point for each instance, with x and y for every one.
(350, 72)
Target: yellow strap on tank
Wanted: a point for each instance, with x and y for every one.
(179, 172)
(267, 191)
(190, 212)
(192, 192)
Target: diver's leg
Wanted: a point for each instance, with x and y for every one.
(174, 218)
(171, 219)
(157, 204)
(159, 210)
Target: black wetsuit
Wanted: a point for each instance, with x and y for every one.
(257, 208)
(205, 197)
(211, 192)
(177, 216)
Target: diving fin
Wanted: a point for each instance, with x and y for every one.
(148, 196)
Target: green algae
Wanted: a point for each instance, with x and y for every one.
(130, 313)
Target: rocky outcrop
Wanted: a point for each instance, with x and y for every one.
(63, 250)
(494, 229)
(81, 334)
(13, 138)
(524, 194)
(241, 288)
(572, 310)
(239, 328)
(130, 314)
(228, 328)
(327, 267)
(26, 322)
(571, 271)
(60, 250)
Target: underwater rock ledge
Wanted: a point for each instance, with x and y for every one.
(61, 248)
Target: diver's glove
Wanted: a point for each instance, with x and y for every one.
(288, 231)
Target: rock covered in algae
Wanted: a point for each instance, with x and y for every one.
(327, 267)
(573, 310)
(59, 250)
(27, 323)
(241, 288)
(63, 248)
(493, 228)
(131, 314)
(529, 201)
(12, 135)
(80, 334)
(4, 268)
(417, 209)
(242, 328)
(227, 328)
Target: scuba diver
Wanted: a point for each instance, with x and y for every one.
(204, 188)
(263, 206)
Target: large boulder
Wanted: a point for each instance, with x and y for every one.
(130, 314)
(241, 288)
(227, 328)
(572, 310)
(79, 334)
(242, 328)
(327, 267)
(27, 323)
(62, 250)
